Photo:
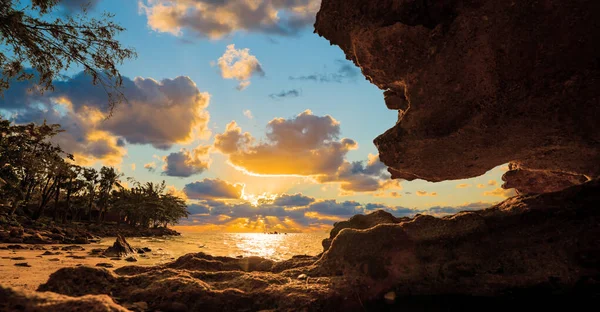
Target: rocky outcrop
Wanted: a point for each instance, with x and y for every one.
(527, 181)
(29, 301)
(361, 222)
(120, 248)
(525, 247)
(478, 84)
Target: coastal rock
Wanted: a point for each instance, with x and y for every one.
(361, 222)
(527, 181)
(25, 300)
(120, 248)
(478, 84)
(529, 246)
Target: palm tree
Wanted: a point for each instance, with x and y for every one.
(109, 179)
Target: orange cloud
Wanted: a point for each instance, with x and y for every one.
(463, 185)
(500, 192)
(425, 193)
(303, 146)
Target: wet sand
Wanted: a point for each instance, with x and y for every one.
(42, 266)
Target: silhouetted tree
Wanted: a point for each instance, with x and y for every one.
(34, 37)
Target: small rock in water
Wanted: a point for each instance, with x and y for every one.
(17, 258)
(390, 297)
(23, 264)
(302, 276)
(146, 249)
(105, 265)
(115, 258)
(12, 247)
(54, 259)
(131, 259)
(96, 250)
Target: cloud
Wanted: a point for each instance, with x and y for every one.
(186, 163)
(360, 177)
(463, 185)
(171, 189)
(346, 71)
(248, 114)
(195, 209)
(232, 139)
(213, 189)
(158, 113)
(448, 210)
(296, 212)
(492, 182)
(151, 166)
(332, 207)
(480, 186)
(133, 167)
(305, 145)
(424, 193)
(239, 65)
(295, 200)
(216, 19)
(500, 192)
(285, 94)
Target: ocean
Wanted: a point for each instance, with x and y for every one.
(270, 246)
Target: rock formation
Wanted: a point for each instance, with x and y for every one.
(120, 248)
(361, 222)
(25, 300)
(479, 84)
(525, 247)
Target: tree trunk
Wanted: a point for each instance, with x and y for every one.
(56, 198)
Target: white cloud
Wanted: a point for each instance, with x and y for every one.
(240, 65)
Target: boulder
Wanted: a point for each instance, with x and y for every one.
(478, 84)
(120, 248)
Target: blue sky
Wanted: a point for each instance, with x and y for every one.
(355, 107)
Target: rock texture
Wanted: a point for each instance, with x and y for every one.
(29, 301)
(478, 84)
(527, 247)
(361, 222)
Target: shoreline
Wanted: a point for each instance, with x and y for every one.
(21, 230)
(43, 260)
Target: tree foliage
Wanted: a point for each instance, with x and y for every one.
(37, 178)
(32, 36)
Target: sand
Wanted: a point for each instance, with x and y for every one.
(42, 266)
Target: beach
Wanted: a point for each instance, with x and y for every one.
(162, 250)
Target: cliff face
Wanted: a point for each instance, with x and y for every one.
(480, 83)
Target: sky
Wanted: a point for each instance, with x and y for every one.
(258, 122)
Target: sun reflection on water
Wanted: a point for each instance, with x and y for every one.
(262, 245)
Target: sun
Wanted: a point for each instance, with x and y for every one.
(259, 199)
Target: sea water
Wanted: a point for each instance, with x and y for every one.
(270, 246)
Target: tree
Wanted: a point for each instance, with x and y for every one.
(29, 36)
(109, 178)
